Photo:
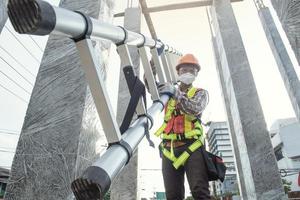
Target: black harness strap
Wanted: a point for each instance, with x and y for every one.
(88, 28)
(125, 36)
(136, 89)
(149, 118)
(189, 151)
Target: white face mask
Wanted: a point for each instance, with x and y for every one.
(187, 78)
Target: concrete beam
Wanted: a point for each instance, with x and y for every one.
(284, 63)
(148, 18)
(146, 11)
(177, 6)
(61, 134)
(256, 161)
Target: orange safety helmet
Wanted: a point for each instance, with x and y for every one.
(188, 59)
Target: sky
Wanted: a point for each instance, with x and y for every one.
(188, 31)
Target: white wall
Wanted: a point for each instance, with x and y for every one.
(288, 139)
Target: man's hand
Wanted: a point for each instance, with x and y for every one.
(168, 89)
(161, 49)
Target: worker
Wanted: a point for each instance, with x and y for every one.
(182, 134)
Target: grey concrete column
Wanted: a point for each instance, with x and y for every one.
(288, 12)
(282, 58)
(230, 122)
(256, 161)
(125, 185)
(62, 134)
(3, 14)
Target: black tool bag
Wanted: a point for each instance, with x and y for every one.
(215, 166)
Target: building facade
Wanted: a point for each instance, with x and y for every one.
(286, 142)
(4, 175)
(219, 144)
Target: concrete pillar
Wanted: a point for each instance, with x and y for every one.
(3, 14)
(126, 184)
(230, 122)
(256, 161)
(62, 134)
(282, 58)
(288, 12)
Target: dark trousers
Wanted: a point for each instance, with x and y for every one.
(196, 173)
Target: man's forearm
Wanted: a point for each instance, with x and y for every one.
(195, 105)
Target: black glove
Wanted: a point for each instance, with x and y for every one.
(161, 49)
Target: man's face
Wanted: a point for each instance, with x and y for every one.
(187, 73)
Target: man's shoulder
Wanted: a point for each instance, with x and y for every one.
(198, 89)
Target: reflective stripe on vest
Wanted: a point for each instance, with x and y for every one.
(192, 134)
(192, 130)
(187, 119)
(180, 161)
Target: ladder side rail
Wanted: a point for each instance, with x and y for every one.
(55, 20)
(96, 179)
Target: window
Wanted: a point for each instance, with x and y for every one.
(278, 154)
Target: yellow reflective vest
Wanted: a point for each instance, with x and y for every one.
(192, 130)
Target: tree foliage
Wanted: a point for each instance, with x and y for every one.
(286, 185)
(107, 196)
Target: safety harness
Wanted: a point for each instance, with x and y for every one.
(172, 130)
